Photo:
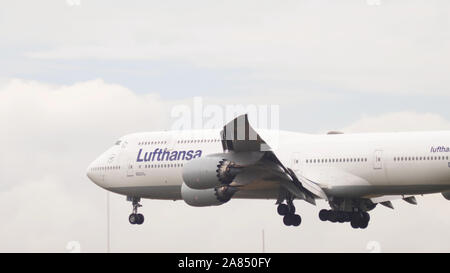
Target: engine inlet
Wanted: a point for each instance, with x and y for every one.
(227, 171)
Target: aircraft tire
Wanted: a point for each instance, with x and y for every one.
(354, 223)
(366, 217)
(297, 220)
(287, 219)
(341, 216)
(139, 219)
(132, 219)
(283, 209)
(363, 224)
(323, 215)
(332, 216)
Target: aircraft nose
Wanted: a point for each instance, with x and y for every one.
(89, 172)
(95, 172)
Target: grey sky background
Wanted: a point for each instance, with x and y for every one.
(77, 75)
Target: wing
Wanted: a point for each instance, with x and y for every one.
(312, 186)
(333, 181)
(238, 136)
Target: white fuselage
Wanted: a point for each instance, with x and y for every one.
(150, 165)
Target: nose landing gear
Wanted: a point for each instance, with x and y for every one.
(135, 218)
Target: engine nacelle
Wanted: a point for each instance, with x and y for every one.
(210, 172)
(207, 197)
(446, 195)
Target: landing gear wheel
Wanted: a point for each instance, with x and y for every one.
(296, 220)
(287, 220)
(341, 216)
(360, 220)
(363, 224)
(133, 218)
(354, 222)
(139, 219)
(364, 220)
(323, 215)
(366, 217)
(332, 216)
(283, 209)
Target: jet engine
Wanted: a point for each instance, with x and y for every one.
(207, 197)
(210, 172)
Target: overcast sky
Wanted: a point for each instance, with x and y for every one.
(76, 75)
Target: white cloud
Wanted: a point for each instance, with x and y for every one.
(51, 126)
(396, 47)
(43, 215)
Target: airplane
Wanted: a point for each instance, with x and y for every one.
(352, 172)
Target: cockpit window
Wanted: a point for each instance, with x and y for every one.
(118, 142)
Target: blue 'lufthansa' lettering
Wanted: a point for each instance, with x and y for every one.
(164, 155)
(440, 149)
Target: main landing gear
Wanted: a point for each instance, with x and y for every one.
(357, 219)
(288, 213)
(135, 218)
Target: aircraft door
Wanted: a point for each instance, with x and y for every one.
(296, 162)
(127, 161)
(378, 160)
(130, 169)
